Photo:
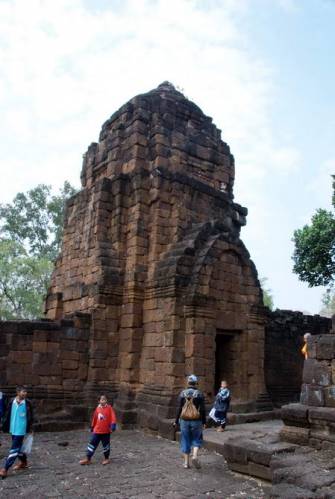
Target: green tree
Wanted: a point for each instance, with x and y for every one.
(314, 253)
(23, 281)
(267, 294)
(35, 220)
(30, 236)
(328, 301)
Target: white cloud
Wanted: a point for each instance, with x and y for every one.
(288, 5)
(321, 186)
(67, 69)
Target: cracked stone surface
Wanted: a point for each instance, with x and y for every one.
(142, 466)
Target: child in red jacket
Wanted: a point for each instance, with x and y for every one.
(102, 425)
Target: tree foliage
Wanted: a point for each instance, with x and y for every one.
(23, 281)
(267, 294)
(30, 236)
(35, 219)
(328, 301)
(314, 254)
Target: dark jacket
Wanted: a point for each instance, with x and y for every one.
(222, 400)
(29, 412)
(198, 400)
(3, 405)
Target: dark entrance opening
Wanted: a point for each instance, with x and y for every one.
(226, 357)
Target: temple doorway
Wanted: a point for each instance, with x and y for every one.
(227, 357)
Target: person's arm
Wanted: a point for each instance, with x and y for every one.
(180, 407)
(32, 421)
(6, 417)
(202, 410)
(226, 395)
(94, 419)
(112, 419)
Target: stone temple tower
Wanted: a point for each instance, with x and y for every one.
(152, 251)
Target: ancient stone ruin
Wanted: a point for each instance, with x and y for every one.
(298, 458)
(151, 250)
(312, 421)
(153, 281)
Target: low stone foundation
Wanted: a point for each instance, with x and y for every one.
(253, 457)
(52, 359)
(284, 331)
(311, 422)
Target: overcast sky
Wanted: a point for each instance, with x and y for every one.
(263, 69)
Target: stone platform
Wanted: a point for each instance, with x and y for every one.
(295, 471)
(142, 466)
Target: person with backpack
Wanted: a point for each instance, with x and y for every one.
(191, 416)
(18, 421)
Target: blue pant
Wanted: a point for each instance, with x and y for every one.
(15, 451)
(96, 438)
(191, 435)
(221, 417)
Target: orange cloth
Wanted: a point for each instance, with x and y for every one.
(304, 351)
(103, 418)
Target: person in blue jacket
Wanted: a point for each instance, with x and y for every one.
(221, 406)
(18, 421)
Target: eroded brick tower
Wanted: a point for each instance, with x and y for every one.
(151, 250)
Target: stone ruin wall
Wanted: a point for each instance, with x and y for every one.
(51, 357)
(312, 421)
(284, 362)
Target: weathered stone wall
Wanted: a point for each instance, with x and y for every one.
(50, 357)
(284, 362)
(311, 422)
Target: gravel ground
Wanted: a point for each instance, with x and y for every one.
(142, 466)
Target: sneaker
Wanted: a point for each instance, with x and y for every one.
(3, 473)
(20, 466)
(186, 466)
(85, 461)
(106, 461)
(196, 463)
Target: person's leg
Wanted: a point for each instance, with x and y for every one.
(91, 448)
(185, 442)
(223, 421)
(23, 460)
(17, 442)
(105, 440)
(196, 441)
(219, 416)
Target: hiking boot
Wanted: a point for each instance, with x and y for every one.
(21, 466)
(3, 473)
(85, 461)
(196, 463)
(106, 461)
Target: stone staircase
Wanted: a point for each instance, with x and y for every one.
(295, 471)
(263, 403)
